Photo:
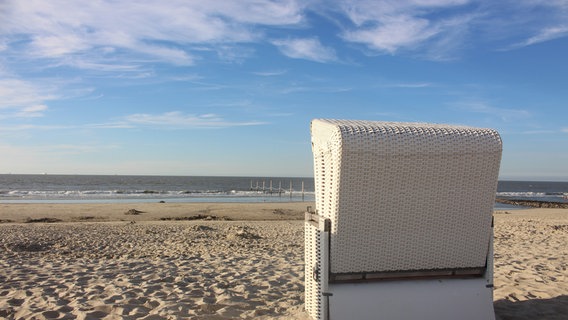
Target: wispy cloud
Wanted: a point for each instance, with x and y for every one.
(505, 114)
(179, 120)
(161, 30)
(122, 36)
(393, 34)
(409, 85)
(308, 88)
(390, 116)
(390, 26)
(439, 29)
(31, 127)
(24, 99)
(533, 21)
(306, 48)
(32, 111)
(111, 125)
(538, 132)
(173, 120)
(271, 73)
(544, 35)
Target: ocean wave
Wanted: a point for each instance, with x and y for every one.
(42, 194)
(531, 194)
(95, 194)
(534, 196)
(521, 194)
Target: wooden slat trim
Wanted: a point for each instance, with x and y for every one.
(406, 275)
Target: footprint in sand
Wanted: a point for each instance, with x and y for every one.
(51, 314)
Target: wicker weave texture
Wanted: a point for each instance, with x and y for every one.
(405, 196)
(312, 262)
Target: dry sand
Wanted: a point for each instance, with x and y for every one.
(98, 264)
(531, 264)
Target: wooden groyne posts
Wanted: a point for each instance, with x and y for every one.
(270, 190)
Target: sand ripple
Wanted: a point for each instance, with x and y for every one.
(201, 270)
(531, 263)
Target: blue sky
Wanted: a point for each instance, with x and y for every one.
(229, 87)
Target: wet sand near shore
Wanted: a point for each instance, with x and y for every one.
(248, 266)
(153, 211)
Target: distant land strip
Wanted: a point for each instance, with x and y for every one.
(533, 203)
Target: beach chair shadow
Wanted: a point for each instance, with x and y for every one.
(543, 309)
(402, 227)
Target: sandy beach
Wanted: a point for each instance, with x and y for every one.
(222, 261)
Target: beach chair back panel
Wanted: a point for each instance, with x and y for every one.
(405, 196)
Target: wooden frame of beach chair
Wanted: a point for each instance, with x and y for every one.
(402, 227)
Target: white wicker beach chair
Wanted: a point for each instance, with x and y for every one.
(402, 227)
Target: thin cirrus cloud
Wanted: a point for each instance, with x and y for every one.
(305, 48)
(438, 29)
(100, 33)
(176, 119)
(122, 38)
(505, 114)
(544, 35)
(409, 85)
(162, 30)
(33, 111)
(389, 26)
(23, 99)
(394, 34)
(126, 38)
(271, 73)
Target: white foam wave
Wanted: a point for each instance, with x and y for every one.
(121, 194)
(521, 194)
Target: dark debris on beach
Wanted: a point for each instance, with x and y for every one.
(43, 220)
(196, 217)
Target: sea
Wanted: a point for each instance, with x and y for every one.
(49, 188)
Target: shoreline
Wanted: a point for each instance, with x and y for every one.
(89, 212)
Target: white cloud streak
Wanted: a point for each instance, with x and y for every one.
(179, 120)
(24, 99)
(123, 35)
(309, 49)
(534, 21)
(173, 120)
(438, 29)
(389, 26)
(124, 38)
(505, 114)
(409, 85)
(546, 34)
(270, 73)
(393, 34)
(161, 30)
(31, 127)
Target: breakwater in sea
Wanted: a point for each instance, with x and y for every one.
(533, 203)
